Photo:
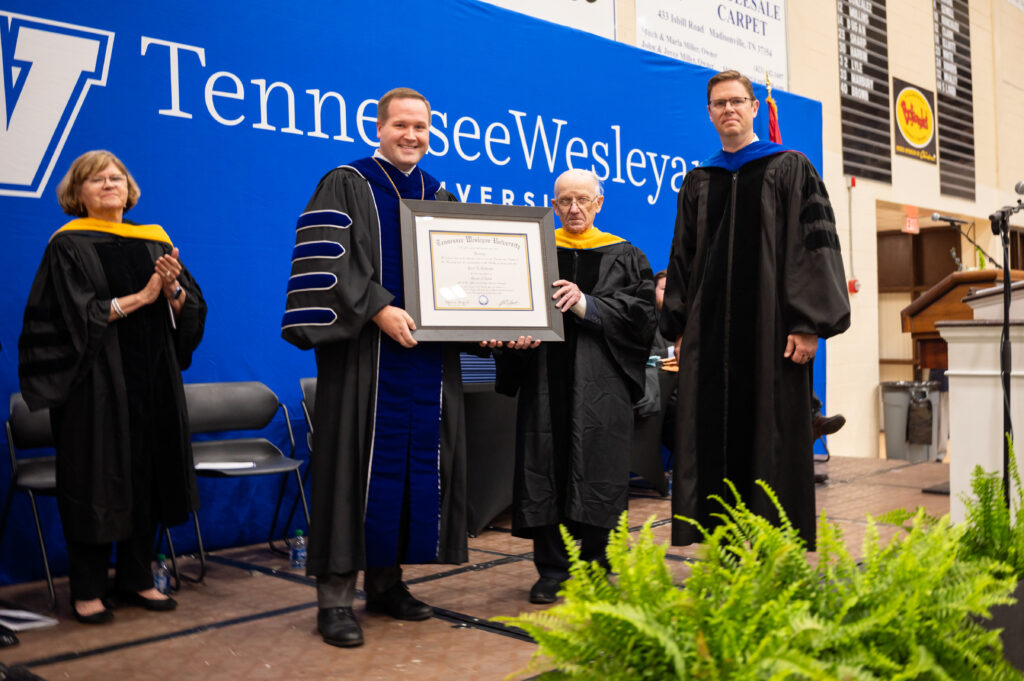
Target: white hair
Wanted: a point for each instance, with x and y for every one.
(582, 174)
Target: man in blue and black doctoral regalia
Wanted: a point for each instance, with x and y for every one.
(388, 463)
(575, 415)
(755, 278)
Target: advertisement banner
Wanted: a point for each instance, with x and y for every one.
(744, 35)
(914, 111)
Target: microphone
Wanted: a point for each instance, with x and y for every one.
(1019, 187)
(1000, 217)
(938, 217)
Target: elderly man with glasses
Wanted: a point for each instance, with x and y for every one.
(575, 416)
(755, 278)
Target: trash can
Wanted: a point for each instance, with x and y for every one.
(897, 399)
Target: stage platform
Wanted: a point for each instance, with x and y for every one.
(255, 619)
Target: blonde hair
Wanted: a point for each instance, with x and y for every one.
(69, 190)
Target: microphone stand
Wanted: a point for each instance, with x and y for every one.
(974, 243)
(1001, 226)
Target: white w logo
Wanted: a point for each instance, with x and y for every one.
(46, 69)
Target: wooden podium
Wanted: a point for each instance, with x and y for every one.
(944, 302)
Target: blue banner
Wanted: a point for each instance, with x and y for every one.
(228, 116)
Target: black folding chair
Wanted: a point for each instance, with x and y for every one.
(308, 386)
(235, 406)
(31, 475)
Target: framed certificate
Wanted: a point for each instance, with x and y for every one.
(478, 271)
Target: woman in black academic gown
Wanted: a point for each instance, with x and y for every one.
(111, 320)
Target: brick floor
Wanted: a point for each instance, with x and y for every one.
(254, 619)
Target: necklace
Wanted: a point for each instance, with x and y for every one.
(423, 188)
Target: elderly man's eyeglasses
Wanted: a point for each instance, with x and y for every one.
(582, 202)
(734, 102)
(99, 181)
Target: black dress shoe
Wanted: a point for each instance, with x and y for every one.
(545, 590)
(7, 638)
(827, 425)
(101, 617)
(338, 627)
(400, 604)
(119, 598)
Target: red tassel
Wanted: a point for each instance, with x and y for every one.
(774, 134)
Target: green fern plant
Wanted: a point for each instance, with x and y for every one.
(755, 608)
(993, 529)
(626, 627)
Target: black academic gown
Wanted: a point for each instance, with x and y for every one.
(114, 390)
(575, 408)
(348, 350)
(754, 258)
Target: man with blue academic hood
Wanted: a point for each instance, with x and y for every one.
(389, 448)
(755, 278)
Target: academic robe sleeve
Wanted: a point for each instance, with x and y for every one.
(679, 273)
(813, 293)
(64, 324)
(628, 318)
(333, 291)
(191, 321)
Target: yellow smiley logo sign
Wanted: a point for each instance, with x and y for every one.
(914, 117)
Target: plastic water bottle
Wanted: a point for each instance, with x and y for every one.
(162, 575)
(298, 557)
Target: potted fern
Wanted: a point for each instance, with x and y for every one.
(995, 531)
(754, 607)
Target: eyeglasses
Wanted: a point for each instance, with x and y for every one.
(113, 179)
(734, 102)
(582, 202)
